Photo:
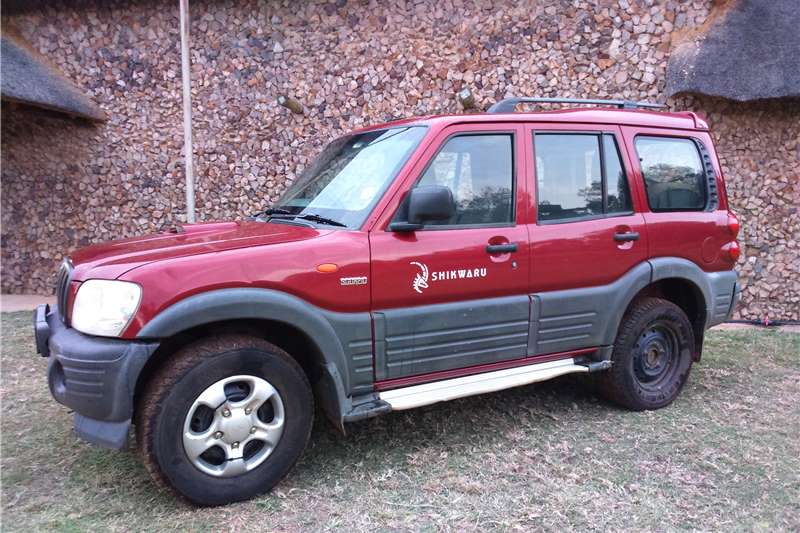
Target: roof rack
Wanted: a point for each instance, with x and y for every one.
(507, 105)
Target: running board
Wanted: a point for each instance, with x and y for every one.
(450, 389)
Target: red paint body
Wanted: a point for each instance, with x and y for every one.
(171, 267)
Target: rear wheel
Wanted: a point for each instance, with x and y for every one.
(652, 356)
(225, 419)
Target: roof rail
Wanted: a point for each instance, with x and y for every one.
(507, 105)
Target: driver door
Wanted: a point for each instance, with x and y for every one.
(453, 294)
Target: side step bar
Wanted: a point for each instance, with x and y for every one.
(450, 389)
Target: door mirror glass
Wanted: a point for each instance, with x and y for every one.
(426, 204)
(431, 203)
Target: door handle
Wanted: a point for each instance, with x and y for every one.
(501, 248)
(623, 237)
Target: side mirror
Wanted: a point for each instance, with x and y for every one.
(427, 204)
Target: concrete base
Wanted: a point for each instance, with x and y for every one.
(732, 326)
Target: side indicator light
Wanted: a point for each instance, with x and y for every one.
(327, 268)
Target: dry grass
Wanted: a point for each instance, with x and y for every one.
(725, 456)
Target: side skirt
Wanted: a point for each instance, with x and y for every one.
(450, 389)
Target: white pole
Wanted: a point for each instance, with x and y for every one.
(187, 110)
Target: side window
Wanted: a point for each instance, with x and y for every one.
(479, 171)
(579, 175)
(673, 173)
(619, 194)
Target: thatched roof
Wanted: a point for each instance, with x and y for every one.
(749, 50)
(27, 78)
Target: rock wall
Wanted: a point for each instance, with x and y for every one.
(759, 149)
(66, 183)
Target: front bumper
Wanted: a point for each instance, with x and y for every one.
(94, 376)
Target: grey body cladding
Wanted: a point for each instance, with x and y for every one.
(589, 317)
(582, 318)
(430, 338)
(719, 288)
(433, 338)
(343, 339)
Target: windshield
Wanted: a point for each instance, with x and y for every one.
(346, 180)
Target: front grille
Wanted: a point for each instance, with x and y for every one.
(62, 288)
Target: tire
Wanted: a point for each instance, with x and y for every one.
(231, 369)
(652, 356)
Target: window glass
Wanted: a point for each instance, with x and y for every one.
(673, 173)
(570, 177)
(569, 181)
(346, 180)
(478, 169)
(619, 196)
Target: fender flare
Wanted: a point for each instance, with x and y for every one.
(712, 285)
(595, 312)
(609, 302)
(326, 329)
(622, 294)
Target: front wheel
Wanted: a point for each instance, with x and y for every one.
(652, 356)
(225, 419)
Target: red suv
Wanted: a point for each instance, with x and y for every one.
(413, 262)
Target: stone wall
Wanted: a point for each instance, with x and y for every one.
(66, 183)
(759, 149)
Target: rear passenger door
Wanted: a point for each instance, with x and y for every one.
(589, 232)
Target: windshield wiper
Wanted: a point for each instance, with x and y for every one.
(277, 212)
(313, 217)
(269, 212)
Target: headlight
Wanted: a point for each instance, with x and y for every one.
(104, 307)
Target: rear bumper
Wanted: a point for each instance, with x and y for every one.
(737, 295)
(93, 376)
(725, 294)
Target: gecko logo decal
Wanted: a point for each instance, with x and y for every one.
(424, 276)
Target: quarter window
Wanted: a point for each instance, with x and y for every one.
(478, 169)
(579, 176)
(673, 173)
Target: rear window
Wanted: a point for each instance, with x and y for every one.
(673, 173)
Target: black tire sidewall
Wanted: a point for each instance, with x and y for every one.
(624, 353)
(205, 489)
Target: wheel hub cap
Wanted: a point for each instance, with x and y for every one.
(655, 353)
(236, 427)
(233, 426)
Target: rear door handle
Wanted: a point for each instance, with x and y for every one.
(630, 236)
(501, 248)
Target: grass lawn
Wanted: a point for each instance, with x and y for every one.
(551, 456)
